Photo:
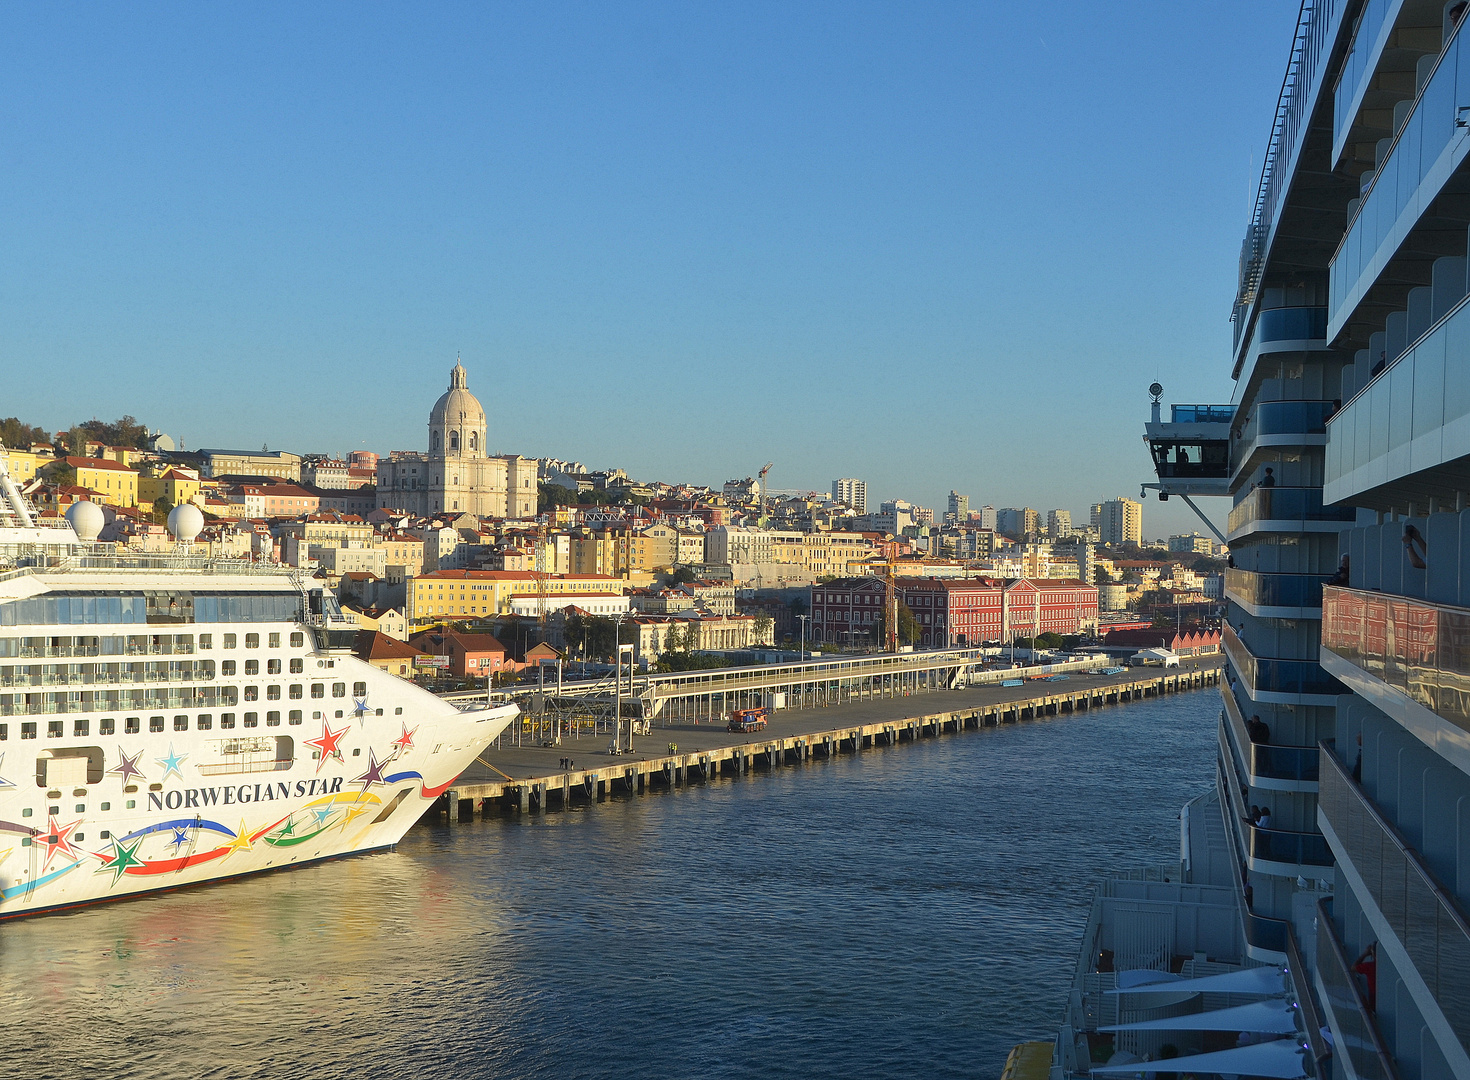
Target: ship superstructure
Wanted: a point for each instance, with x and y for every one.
(1335, 846)
(167, 719)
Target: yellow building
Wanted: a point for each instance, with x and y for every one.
(176, 486)
(601, 553)
(653, 548)
(114, 482)
(481, 594)
(22, 464)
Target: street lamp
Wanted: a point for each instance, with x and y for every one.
(802, 619)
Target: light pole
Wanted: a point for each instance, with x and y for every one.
(802, 619)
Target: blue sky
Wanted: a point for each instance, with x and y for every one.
(930, 245)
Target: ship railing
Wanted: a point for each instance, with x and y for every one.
(228, 767)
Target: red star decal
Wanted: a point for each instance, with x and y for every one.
(57, 838)
(404, 742)
(327, 744)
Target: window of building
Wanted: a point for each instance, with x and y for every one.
(318, 690)
(274, 640)
(339, 689)
(205, 722)
(227, 720)
(295, 717)
(273, 719)
(251, 720)
(297, 665)
(155, 723)
(54, 728)
(273, 667)
(273, 692)
(229, 641)
(359, 689)
(252, 641)
(132, 725)
(298, 639)
(252, 667)
(79, 728)
(181, 723)
(227, 667)
(206, 641)
(252, 693)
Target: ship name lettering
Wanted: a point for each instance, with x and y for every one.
(196, 798)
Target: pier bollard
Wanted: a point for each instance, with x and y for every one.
(524, 794)
(451, 806)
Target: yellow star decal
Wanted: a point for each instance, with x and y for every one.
(241, 842)
(353, 813)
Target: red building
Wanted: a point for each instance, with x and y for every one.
(952, 612)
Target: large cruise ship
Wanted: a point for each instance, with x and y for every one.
(1331, 861)
(167, 720)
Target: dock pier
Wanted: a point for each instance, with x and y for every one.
(531, 779)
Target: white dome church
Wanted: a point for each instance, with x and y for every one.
(457, 474)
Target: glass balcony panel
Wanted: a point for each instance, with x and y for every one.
(1274, 590)
(1285, 504)
(1349, 1012)
(1292, 324)
(1201, 414)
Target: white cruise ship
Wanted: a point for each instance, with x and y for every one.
(167, 720)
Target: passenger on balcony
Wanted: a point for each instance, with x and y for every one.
(1358, 763)
(1415, 547)
(1269, 480)
(1366, 966)
(1265, 820)
(1341, 577)
(1258, 731)
(1255, 814)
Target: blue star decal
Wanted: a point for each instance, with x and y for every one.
(360, 706)
(322, 814)
(171, 763)
(181, 837)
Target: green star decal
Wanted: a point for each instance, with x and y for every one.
(121, 858)
(287, 829)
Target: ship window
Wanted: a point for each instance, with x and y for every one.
(4, 732)
(297, 665)
(104, 834)
(105, 806)
(181, 723)
(229, 641)
(80, 728)
(273, 667)
(131, 804)
(251, 720)
(295, 716)
(26, 812)
(155, 723)
(28, 730)
(252, 641)
(273, 692)
(339, 689)
(273, 719)
(205, 722)
(274, 640)
(398, 711)
(81, 809)
(318, 690)
(132, 725)
(227, 667)
(206, 641)
(252, 667)
(79, 836)
(359, 689)
(296, 691)
(54, 728)
(252, 693)
(227, 720)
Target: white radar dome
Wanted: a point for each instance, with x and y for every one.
(86, 519)
(185, 522)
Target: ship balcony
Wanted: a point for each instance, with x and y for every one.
(1413, 915)
(1354, 1028)
(1276, 596)
(1273, 425)
(1281, 682)
(1286, 510)
(1266, 765)
(1391, 648)
(1191, 453)
(1265, 938)
(1283, 852)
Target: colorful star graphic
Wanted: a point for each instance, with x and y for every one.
(353, 813)
(171, 763)
(241, 842)
(404, 742)
(127, 767)
(4, 783)
(322, 813)
(374, 774)
(121, 858)
(57, 838)
(327, 744)
(181, 836)
(360, 706)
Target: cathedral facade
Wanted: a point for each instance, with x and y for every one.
(457, 475)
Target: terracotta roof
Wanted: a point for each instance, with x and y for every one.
(375, 645)
(96, 463)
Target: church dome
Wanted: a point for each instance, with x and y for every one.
(457, 422)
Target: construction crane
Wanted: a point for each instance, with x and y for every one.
(890, 598)
(761, 505)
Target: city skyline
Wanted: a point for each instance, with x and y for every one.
(608, 213)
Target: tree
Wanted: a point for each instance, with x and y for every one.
(685, 661)
(682, 575)
(124, 431)
(550, 496)
(764, 624)
(908, 626)
(18, 435)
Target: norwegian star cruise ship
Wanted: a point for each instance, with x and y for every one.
(1331, 861)
(167, 720)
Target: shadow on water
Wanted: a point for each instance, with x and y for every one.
(914, 909)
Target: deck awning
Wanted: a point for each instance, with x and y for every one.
(1267, 981)
(1271, 1017)
(1281, 1058)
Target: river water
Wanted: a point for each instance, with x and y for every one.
(910, 911)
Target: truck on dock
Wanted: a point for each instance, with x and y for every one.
(746, 720)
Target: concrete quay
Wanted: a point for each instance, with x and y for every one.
(532, 778)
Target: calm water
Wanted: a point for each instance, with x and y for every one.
(914, 910)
